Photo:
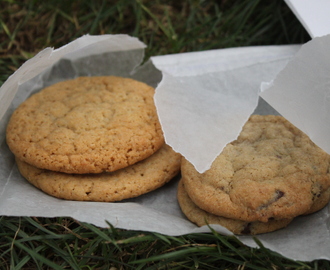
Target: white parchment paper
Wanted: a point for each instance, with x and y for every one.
(314, 15)
(223, 80)
(301, 92)
(205, 98)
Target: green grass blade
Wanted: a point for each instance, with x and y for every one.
(38, 257)
(101, 234)
(174, 255)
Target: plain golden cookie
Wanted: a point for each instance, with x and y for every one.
(272, 171)
(86, 125)
(129, 182)
(239, 227)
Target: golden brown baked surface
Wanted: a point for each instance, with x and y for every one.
(239, 227)
(86, 125)
(272, 171)
(129, 182)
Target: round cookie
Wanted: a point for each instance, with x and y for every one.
(239, 227)
(86, 125)
(272, 171)
(129, 182)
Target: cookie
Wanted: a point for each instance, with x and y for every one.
(272, 171)
(129, 182)
(239, 227)
(86, 125)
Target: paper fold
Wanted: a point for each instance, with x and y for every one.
(204, 100)
(301, 91)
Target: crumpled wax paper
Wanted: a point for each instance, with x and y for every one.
(195, 92)
(205, 98)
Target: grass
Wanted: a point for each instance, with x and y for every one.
(63, 243)
(166, 27)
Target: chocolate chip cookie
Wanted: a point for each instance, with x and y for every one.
(239, 227)
(273, 171)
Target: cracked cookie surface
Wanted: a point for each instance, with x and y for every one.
(272, 171)
(86, 125)
(129, 182)
(239, 227)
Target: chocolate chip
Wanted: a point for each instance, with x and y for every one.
(246, 229)
(279, 194)
(316, 190)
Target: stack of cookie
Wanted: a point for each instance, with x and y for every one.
(260, 182)
(92, 139)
